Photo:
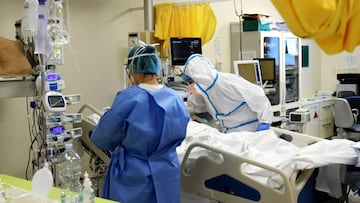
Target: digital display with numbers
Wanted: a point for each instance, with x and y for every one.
(57, 130)
(56, 101)
(51, 77)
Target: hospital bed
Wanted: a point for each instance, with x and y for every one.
(219, 176)
(222, 179)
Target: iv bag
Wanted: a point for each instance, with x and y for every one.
(29, 19)
(42, 44)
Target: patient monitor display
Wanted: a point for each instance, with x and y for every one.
(249, 70)
(268, 70)
(182, 48)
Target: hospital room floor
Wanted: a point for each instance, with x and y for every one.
(324, 198)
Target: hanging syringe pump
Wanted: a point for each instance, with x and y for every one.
(53, 121)
(55, 105)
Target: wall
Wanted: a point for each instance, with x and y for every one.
(311, 80)
(334, 64)
(14, 136)
(95, 57)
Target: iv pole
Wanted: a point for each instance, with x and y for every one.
(240, 25)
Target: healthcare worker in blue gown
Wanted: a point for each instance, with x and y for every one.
(236, 103)
(142, 129)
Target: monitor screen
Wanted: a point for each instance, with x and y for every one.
(268, 70)
(56, 101)
(249, 70)
(182, 48)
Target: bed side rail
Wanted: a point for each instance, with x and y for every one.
(87, 127)
(298, 178)
(299, 139)
(205, 168)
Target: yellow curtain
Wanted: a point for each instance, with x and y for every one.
(333, 24)
(196, 20)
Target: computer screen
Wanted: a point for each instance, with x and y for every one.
(249, 70)
(182, 48)
(268, 70)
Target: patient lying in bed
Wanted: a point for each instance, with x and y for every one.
(266, 147)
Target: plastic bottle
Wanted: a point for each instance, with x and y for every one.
(41, 184)
(88, 191)
(42, 181)
(69, 174)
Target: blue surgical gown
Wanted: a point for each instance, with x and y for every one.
(142, 130)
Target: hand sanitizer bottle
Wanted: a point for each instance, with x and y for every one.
(88, 191)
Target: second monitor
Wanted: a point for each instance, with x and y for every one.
(268, 70)
(182, 48)
(249, 70)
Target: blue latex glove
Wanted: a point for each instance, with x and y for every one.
(263, 126)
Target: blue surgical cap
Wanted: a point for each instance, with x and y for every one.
(143, 59)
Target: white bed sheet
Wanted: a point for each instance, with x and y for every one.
(267, 148)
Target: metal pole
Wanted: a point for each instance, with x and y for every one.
(148, 15)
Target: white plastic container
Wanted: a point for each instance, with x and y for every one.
(88, 191)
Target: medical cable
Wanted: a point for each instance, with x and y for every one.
(31, 139)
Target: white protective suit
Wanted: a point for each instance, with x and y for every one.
(238, 104)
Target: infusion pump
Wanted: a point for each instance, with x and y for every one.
(54, 101)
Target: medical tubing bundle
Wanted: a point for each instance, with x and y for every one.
(29, 20)
(58, 31)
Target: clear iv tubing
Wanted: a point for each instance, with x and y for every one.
(57, 29)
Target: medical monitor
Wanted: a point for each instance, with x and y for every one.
(268, 70)
(182, 48)
(249, 70)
